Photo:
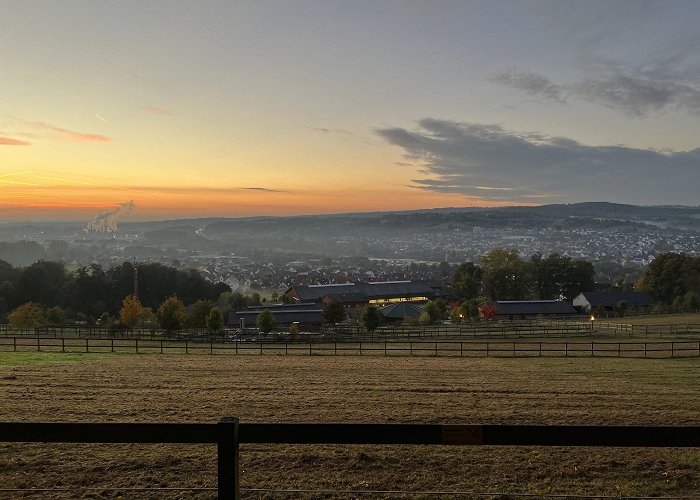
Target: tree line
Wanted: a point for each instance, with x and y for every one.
(503, 275)
(91, 292)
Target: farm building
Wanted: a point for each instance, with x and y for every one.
(586, 301)
(400, 311)
(308, 316)
(524, 309)
(356, 294)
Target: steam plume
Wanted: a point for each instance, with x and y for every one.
(106, 222)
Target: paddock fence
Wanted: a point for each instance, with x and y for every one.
(627, 349)
(229, 434)
(343, 331)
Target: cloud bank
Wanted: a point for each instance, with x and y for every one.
(495, 164)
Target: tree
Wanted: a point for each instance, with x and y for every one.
(505, 275)
(171, 314)
(665, 277)
(215, 320)
(434, 310)
(131, 311)
(55, 315)
(371, 318)
(266, 321)
(26, 316)
(457, 314)
(333, 312)
(199, 312)
(466, 281)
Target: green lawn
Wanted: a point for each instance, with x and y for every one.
(11, 359)
(659, 319)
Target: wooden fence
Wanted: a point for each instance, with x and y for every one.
(228, 434)
(524, 348)
(536, 329)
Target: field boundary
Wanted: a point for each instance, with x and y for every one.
(417, 348)
(228, 434)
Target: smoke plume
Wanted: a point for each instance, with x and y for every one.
(106, 222)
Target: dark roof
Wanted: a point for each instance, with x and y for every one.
(355, 292)
(612, 298)
(532, 307)
(282, 316)
(401, 310)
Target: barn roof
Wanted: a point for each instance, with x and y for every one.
(532, 307)
(401, 310)
(612, 298)
(351, 292)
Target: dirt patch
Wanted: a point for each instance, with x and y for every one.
(172, 388)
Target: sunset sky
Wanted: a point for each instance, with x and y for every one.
(193, 109)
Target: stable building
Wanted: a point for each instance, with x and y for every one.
(378, 293)
(401, 311)
(525, 309)
(587, 301)
(308, 316)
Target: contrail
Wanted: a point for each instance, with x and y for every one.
(98, 116)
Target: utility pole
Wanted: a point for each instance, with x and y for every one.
(136, 279)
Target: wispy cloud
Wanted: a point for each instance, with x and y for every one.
(8, 141)
(533, 84)
(71, 135)
(492, 163)
(326, 130)
(158, 110)
(265, 190)
(636, 91)
(38, 130)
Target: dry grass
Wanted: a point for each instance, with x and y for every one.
(170, 388)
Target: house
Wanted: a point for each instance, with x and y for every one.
(400, 311)
(524, 309)
(356, 294)
(587, 301)
(308, 316)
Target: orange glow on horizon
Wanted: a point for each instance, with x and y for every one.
(53, 202)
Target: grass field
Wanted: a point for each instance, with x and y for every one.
(168, 388)
(660, 319)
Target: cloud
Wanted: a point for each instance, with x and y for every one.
(636, 91)
(533, 84)
(35, 129)
(329, 130)
(7, 141)
(158, 110)
(72, 135)
(264, 189)
(491, 163)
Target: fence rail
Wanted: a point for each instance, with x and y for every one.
(344, 332)
(524, 348)
(228, 434)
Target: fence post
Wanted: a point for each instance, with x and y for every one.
(112, 344)
(228, 480)
(63, 344)
(137, 344)
(87, 348)
(38, 342)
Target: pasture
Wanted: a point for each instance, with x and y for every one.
(203, 388)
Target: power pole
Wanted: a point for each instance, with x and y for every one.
(136, 279)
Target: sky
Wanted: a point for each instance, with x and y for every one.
(198, 109)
